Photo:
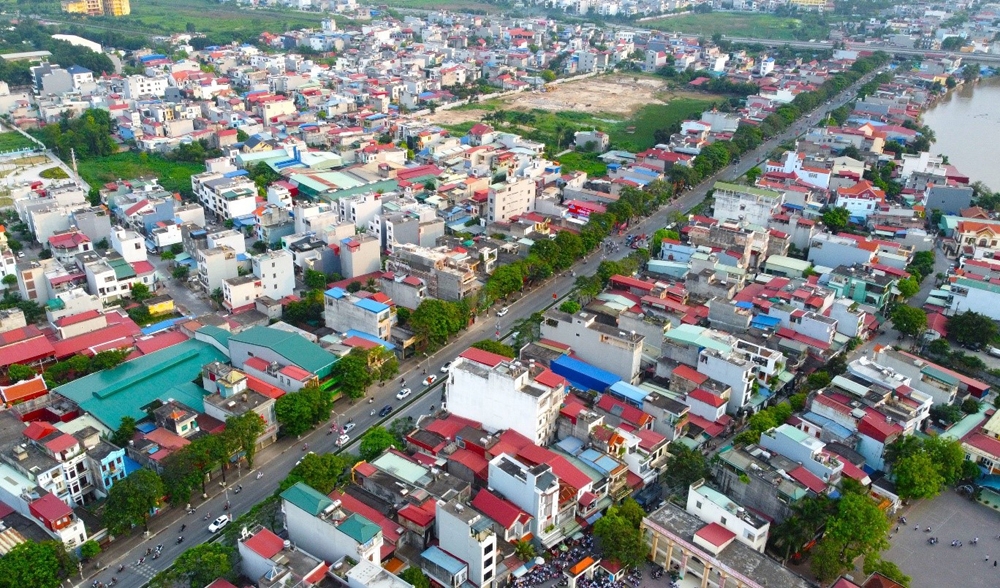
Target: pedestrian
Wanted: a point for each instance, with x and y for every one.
(987, 558)
(897, 529)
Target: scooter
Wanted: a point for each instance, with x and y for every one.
(180, 540)
(373, 412)
(183, 527)
(260, 475)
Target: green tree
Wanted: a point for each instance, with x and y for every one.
(416, 577)
(909, 320)
(354, 286)
(496, 347)
(939, 347)
(375, 441)
(40, 565)
(684, 466)
(90, 549)
(131, 500)
(857, 528)
(180, 272)
(570, 307)
(908, 287)
(199, 566)
(352, 375)
(972, 327)
(140, 292)
(314, 279)
(630, 510)
(9, 281)
(548, 75)
(298, 411)
(106, 360)
(524, 550)
(323, 472)
(818, 379)
(18, 372)
(825, 561)
(917, 477)
(180, 478)
(836, 219)
(620, 539)
(971, 406)
(874, 563)
(125, 432)
(243, 431)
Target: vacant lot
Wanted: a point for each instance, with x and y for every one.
(174, 176)
(629, 108)
(13, 141)
(761, 26)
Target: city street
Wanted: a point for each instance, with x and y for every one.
(277, 460)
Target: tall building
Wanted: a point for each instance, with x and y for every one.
(97, 7)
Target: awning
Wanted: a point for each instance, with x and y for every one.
(593, 518)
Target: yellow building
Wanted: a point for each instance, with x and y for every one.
(817, 4)
(160, 305)
(97, 7)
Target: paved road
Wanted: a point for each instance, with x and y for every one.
(276, 461)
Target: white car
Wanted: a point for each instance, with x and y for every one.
(446, 368)
(348, 427)
(503, 311)
(343, 440)
(430, 380)
(218, 524)
(403, 393)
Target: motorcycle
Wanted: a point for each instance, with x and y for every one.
(260, 475)
(183, 527)
(305, 446)
(373, 412)
(180, 540)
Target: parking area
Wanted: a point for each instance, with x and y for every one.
(951, 517)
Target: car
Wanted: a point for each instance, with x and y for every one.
(385, 410)
(503, 311)
(343, 440)
(403, 393)
(348, 427)
(430, 380)
(446, 368)
(20, 254)
(218, 524)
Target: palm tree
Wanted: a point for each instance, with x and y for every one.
(524, 550)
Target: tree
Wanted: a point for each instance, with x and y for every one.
(199, 566)
(18, 372)
(548, 75)
(416, 577)
(106, 360)
(180, 272)
(972, 327)
(971, 406)
(630, 510)
(131, 500)
(243, 431)
(141, 292)
(298, 411)
(909, 320)
(322, 472)
(354, 286)
(753, 174)
(375, 441)
(818, 379)
(314, 279)
(180, 478)
(917, 477)
(685, 466)
(939, 347)
(9, 280)
(40, 565)
(90, 549)
(352, 374)
(908, 287)
(836, 219)
(570, 307)
(524, 550)
(858, 527)
(125, 432)
(496, 347)
(621, 541)
(874, 563)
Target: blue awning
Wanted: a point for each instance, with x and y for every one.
(593, 518)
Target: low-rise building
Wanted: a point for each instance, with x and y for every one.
(596, 343)
(324, 527)
(344, 311)
(712, 506)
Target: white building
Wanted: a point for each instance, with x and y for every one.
(344, 311)
(216, 265)
(505, 394)
(833, 250)
(712, 506)
(276, 271)
(534, 489)
(129, 244)
(323, 527)
(468, 536)
(229, 238)
(510, 198)
(598, 344)
(800, 447)
(228, 197)
(138, 86)
(754, 206)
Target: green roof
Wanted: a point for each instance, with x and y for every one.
(293, 347)
(695, 335)
(783, 261)
(977, 284)
(307, 498)
(359, 528)
(746, 190)
(122, 391)
(123, 270)
(220, 335)
(940, 376)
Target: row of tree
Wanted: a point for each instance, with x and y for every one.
(75, 367)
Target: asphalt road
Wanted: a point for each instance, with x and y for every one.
(277, 460)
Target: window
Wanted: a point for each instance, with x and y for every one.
(697, 505)
(722, 520)
(489, 548)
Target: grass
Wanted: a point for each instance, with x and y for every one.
(456, 5)
(459, 129)
(763, 26)
(12, 141)
(651, 117)
(585, 162)
(174, 176)
(53, 173)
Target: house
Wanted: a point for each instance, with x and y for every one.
(861, 200)
(714, 507)
(596, 343)
(344, 311)
(324, 527)
(533, 489)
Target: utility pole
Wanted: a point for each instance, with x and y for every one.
(72, 154)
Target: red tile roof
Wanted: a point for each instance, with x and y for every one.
(354, 505)
(265, 543)
(122, 334)
(505, 513)
(483, 357)
(808, 479)
(475, 462)
(25, 390)
(626, 412)
(258, 363)
(689, 373)
(550, 379)
(707, 397)
(262, 387)
(419, 515)
(160, 341)
(296, 373)
(70, 240)
(61, 443)
(715, 534)
(50, 508)
(39, 430)
(875, 425)
(711, 429)
(77, 318)
(143, 267)
(26, 351)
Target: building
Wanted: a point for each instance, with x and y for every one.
(358, 256)
(275, 345)
(534, 490)
(861, 199)
(510, 198)
(596, 343)
(344, 311)
(276, 271)
(712, 506)
(505, 394)
(230, 395)
(864, 284)
(798, 446)
(216, 265)
(129, 244)
(227, 196)
(754, 206)
(468, 535)
(140, 86)
(325, 528)
(97, 7)
(267, 559)
(447, 274)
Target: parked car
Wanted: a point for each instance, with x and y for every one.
(218, 524)
(403, 393)
(430, 380)
(385, 410)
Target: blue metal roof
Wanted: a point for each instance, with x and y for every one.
(583, 375)
(336, 293)
(764, 322)
(444, 561)
(629, 393)
(237, 173)
(371, 305)
(162, 325)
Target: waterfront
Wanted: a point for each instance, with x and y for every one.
(965, 122)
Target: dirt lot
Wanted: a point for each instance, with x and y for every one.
(619, 95)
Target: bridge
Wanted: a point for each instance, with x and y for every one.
(981, 58)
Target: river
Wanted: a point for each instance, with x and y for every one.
(966, 122)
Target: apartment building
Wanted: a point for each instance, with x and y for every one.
(510, 198)
(534, 490)
(140, 86)
(798, 446)
(448, 274)
(751, 205)
(331, 531)
(129, 244)
(216, 265)
(596, 343)
(228, 196)
(276, 271)
(506, 394)
(468, 535)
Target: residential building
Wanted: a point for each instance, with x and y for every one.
(405, 291)
(344, 311)
(596, 343)
(326, 528)
(448, 274)
(139, 86)
(215, 266)
(65, 245)
(467, 535)
(712, 506)
(266, 559)
(358, 256)
(230, 395)
(753, 206)
(276, 272)
(802, 448)
(861, 199)
(227, 196)
(510, 198)
(864, 284)
(505, 394)
(533, 489)
(129, 244)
